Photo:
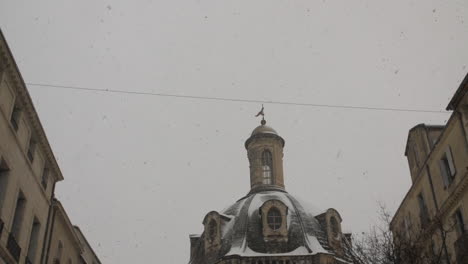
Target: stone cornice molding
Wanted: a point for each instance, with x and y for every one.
(454, 197)
(26, 103)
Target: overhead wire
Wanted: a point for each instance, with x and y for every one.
(226, 99)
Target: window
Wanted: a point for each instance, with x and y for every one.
(34, 238)
(212, 230)
(334, 228)
(407, 223)
(45, 178)
(4, 169)
(447, 167)
(19, 214)
(58, 257)
(416, 157)
(423, 213)
(15, 117)
(459, 223)
(31, 149)
(267, 167)
(274, 219)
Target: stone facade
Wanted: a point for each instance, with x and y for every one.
(268, 225)
(28, 175)
(435, 208)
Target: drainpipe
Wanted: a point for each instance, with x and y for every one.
(48, 226)
(49, 214)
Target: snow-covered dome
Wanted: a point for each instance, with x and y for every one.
(268, 224)
(242, 229)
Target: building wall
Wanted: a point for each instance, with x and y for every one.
(23, 176)
(64, 245)
(88, 255)
(28, 170)
(442, 200)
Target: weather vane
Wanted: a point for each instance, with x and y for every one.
(261, 113)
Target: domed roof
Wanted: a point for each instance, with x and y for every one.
(263, 129)
(242, 234)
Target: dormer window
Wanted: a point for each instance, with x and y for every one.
(213, 223)
(274, 221)
(267, 167)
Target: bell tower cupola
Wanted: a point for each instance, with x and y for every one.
(265, 153)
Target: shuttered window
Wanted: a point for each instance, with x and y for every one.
(447, 167)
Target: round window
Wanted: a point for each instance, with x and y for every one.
(274, 218)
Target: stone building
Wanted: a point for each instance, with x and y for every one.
(268, 225)
(434, 212)
(28, 175)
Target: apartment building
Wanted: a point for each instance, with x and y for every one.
(30, 216)
(434, 212)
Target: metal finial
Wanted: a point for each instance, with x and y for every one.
(261, 113)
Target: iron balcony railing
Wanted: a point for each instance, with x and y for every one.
(13, 247)
(461, 248)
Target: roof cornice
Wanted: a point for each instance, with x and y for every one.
(28, 106)
(459, 94)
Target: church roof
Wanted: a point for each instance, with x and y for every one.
(242, 233)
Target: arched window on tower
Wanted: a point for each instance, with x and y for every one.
(267, 167)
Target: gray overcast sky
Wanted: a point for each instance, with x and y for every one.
(142, 171)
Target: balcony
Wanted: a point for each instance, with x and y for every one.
(461, 248)
(13, 247)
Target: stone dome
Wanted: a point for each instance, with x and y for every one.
(242, 231)
(264, 129)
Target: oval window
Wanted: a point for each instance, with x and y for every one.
(274, 218)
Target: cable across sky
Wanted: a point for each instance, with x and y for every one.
(226, 99)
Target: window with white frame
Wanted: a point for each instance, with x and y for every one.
(45, 178)
(267, 167)
(15, 117)
(447, 167)
(31, 149)
(274, 218)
